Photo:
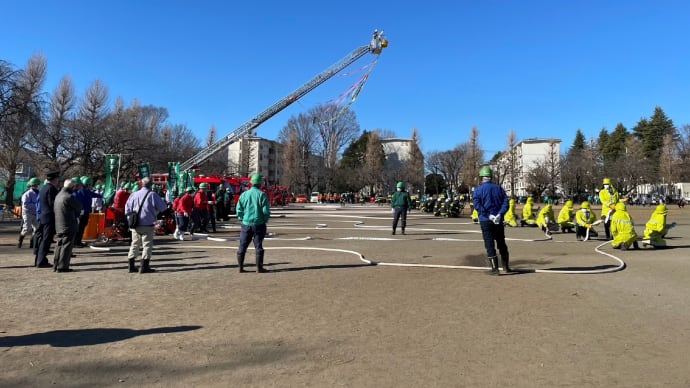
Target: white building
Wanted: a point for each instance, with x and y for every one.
(528, 154)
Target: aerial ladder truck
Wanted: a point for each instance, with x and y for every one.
(377, 44)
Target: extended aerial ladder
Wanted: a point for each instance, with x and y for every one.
(377, 44)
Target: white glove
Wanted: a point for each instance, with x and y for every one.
(392, 210)
(496, 219)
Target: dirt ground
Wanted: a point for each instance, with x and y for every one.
(322, 317)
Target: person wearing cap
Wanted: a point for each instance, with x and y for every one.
(46, 200)
(566, 217)
(528, 217)
(85, 197)
(147, 204)
(623, 228)
(609, 198)
(656, 228)
(491, 203)
(253, 211)
(183, 210)
(584, 218)
(29, 221)
(201, 215)
(401, 204)
(510, 218)
(546, 218)
(67, 210)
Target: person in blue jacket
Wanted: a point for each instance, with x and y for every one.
(491, 203)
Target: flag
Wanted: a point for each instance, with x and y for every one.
(112, 167)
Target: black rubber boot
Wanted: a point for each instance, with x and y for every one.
(240, 261)
(494, 265)
(31, 241)
(132, 267)
(260, 262)
(506, 264)
(145, 267)
(21, 240)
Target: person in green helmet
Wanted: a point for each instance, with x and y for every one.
(400, 204)
(29, 219)
(253, 212)
(491, 203)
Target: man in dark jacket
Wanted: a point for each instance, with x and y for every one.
(491, 203)
(67, 208)
(46, 199)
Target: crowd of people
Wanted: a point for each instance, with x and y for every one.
(60, 210)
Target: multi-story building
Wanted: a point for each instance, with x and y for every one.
(256, 154)
(525, 156)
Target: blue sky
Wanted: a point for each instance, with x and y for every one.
(540, 68)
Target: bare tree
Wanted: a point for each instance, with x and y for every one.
(21, 114)
(301, 140)
(473, 159)
(374, 162)
(52, 144)
(414, 167)
(216, 164)
(89, 127)
(336, 128)
(511, 169)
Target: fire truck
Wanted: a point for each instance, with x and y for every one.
(278, 195)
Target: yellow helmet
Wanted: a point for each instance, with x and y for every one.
(586, 205)
(568, 203)
(607, 181)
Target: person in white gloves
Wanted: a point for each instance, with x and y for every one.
(491, 203)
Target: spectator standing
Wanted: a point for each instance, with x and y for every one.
(67, 209)
(183, 212)
(46, 200)
(147, 204)
(253, 212)
(401, 204)
(29, 220)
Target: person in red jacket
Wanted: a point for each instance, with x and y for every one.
(183, 210)
(201, 208)
(122, 196)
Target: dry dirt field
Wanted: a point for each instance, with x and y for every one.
(322, 317)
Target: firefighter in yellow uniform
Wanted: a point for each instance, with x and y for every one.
(584, 218)
(528, 218)
(566, 216)
(623, 228)
(609, 198)
(510, 219)
(655, 230)
(546, 219)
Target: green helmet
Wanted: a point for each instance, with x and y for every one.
(76, 180)
(203, 185)
(486, 172)
(189, 189)
(34, 181)
(123, 184)
(86, 180)
(128, 186)
(400, 185)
